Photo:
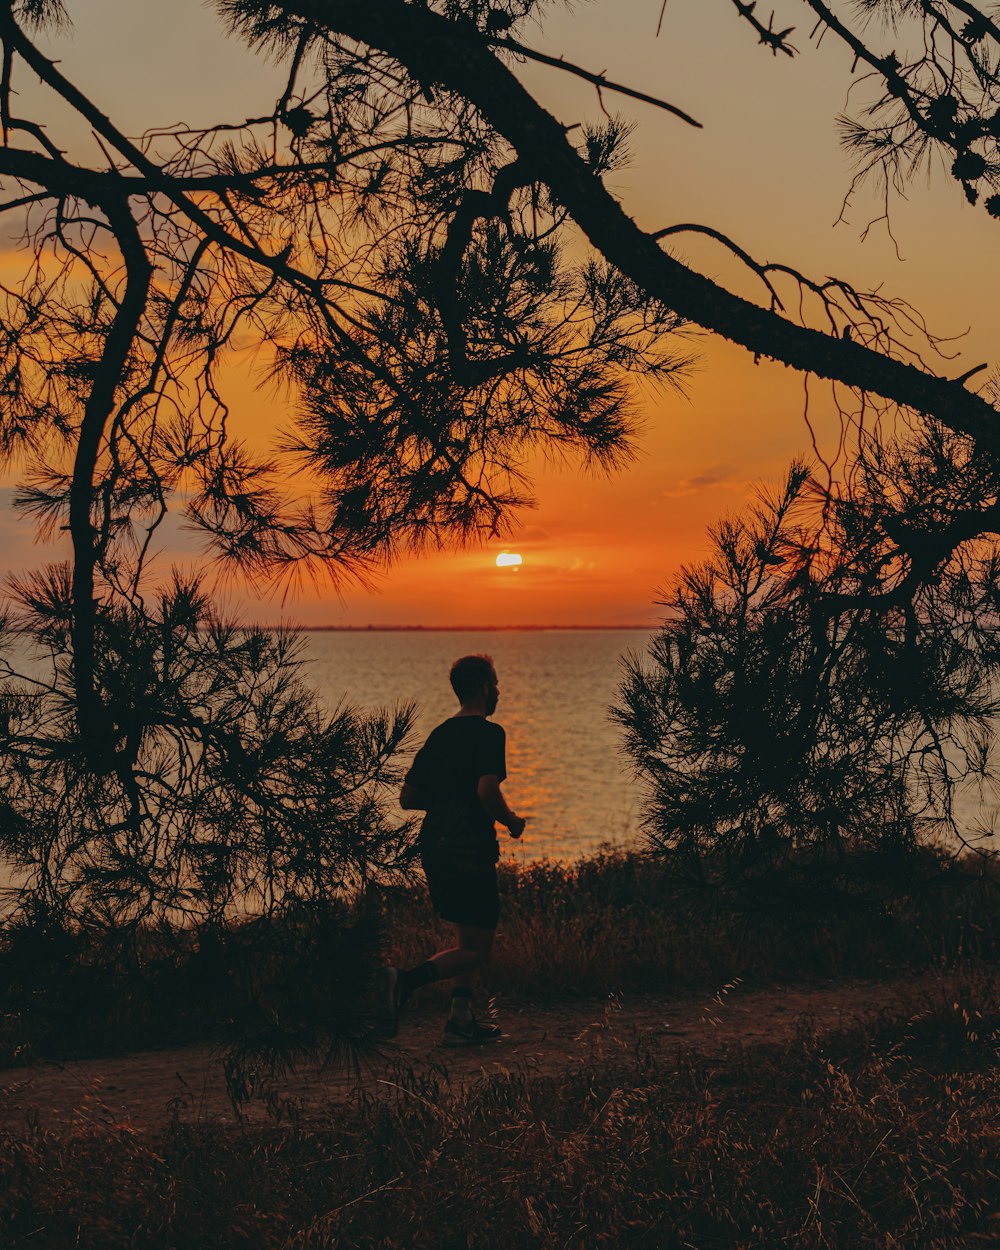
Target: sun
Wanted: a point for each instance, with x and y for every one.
(508, 560)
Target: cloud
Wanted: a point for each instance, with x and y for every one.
(717, 476)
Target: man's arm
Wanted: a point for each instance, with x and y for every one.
(410, 799)
(492, 799)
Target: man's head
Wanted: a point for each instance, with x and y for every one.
(474, 677)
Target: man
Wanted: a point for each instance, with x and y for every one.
(455, 778)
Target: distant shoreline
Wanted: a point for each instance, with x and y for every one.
(424, 629)
(464, 629)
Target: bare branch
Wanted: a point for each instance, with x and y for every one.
(598, 80)
(776, 40)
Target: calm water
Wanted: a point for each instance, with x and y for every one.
(565, 772)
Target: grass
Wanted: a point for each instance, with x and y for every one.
(616, 922)
(623, 921)
(884, 1135)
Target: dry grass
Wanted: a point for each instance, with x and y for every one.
(628, 922)
(882, 1136)
(615, 922)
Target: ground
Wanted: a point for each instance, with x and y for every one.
(143, 1090)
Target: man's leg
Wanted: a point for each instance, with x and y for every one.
(457, 889)
(459, 962)
(481, 941)
(462, 1028)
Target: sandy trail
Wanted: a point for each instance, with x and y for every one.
(143, 1090)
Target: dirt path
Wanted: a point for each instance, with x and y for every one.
(144, 1089)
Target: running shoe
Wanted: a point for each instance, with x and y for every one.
(471, 1034)
(389, 999)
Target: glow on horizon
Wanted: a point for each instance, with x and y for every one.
(766, 170)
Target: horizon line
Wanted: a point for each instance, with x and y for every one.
(458, 629)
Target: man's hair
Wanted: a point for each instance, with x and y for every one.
(469, 674)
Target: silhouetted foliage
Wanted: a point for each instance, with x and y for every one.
(409, 288)
(829, 677)
(433, 268)
(840, 697)
(240, 792)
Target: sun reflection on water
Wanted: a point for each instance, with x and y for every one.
(565, 773)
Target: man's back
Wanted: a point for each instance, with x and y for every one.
(446, 773)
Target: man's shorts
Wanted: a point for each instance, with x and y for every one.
(463, 888)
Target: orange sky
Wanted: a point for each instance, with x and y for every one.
(765, 169)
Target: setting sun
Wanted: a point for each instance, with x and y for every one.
(508, 560)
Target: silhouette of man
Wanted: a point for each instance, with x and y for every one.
(455, 778)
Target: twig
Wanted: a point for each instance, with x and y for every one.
(599, 80)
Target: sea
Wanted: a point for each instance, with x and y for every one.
(566, 770)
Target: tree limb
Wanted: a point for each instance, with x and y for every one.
(100, 402)
(434, 49)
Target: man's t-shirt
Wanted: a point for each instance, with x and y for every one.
(445, 774)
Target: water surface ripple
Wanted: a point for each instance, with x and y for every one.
(566, 772)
